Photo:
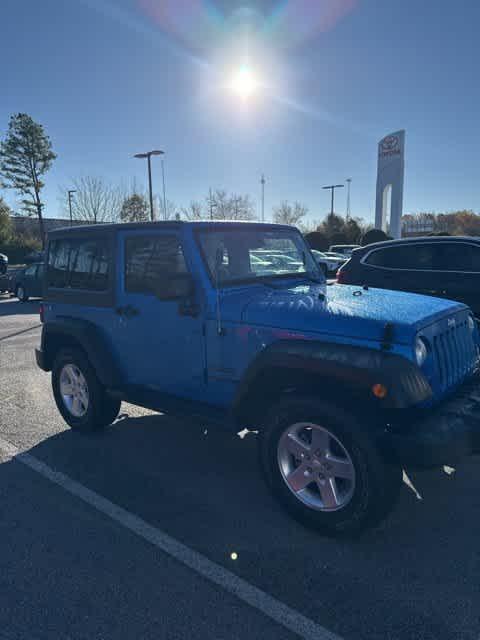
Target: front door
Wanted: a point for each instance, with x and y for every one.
(159, 345)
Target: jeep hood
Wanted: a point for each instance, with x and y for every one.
(342, 310)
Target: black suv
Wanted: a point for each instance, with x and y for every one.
(447, 267)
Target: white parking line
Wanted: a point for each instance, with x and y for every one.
(256, 598)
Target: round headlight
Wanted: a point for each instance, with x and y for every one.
(421, 351)
(471, 323)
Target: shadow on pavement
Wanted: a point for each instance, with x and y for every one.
(203, 487)
(68, 572)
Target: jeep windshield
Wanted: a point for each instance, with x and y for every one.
(235, 255)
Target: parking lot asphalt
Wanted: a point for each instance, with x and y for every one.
(68, 570)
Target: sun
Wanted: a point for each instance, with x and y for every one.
(244, 83)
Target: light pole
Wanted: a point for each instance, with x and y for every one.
(148, 155)
(262, 182)
(70, 193)
(332, 187)
(349, 182)
(164, 197)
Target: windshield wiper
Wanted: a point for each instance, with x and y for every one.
(293, 276)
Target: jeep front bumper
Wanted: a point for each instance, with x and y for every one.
(439, 436)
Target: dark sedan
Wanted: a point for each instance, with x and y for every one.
(447, 267)
(28, 282)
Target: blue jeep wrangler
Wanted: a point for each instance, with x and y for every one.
(233, 323)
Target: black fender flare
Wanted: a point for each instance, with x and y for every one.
(90, 338)
(357, 367)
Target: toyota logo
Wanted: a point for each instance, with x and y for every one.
(389, 143)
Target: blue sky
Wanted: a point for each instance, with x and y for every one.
(109, 78)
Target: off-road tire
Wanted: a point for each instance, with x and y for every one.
(377, 483)
(102, 408)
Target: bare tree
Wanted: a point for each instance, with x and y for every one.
(223, 206)
(219, 205)
(95, 200)
(194, 211)
(240, 207)
(173, 212)
(287, 213)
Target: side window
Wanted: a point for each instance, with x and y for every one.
(414, 256)
(30, 271)
(57, 266)
(78, 264)
(154, 265)
(457, 256)
(89, 265)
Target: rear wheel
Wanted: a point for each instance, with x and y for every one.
(325, 468)
(81, 398)
(21, 293)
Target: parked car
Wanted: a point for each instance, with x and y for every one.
(28, 282)
(328, 263)
(332, 254)
(447, 267)
(345, 386)
(3, 264)
(35, 256)
(344, 249)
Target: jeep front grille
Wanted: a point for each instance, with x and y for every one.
(454, 353)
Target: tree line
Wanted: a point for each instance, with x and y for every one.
(26, 155)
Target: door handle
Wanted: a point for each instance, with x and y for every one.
(128, 311)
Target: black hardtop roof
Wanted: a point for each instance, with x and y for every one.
(160, 224)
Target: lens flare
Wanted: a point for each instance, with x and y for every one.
(244, 83)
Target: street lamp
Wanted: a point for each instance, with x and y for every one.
(349, 182)
(262, 182)
(332, 187)
(70, 193)
(148, 155)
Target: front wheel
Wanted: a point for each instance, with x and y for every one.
(80, 397)
(325, 468)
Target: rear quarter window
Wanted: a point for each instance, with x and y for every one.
(414, 257)
(78, 263)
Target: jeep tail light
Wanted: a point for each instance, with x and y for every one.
(41, 311)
